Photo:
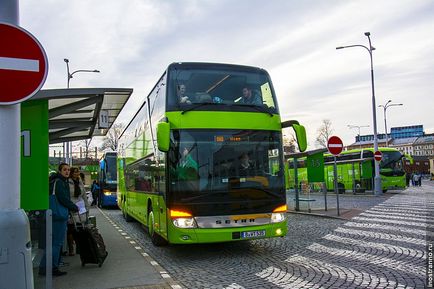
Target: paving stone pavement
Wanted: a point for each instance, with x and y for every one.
(383, 247)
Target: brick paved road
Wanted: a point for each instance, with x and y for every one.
(384, 247)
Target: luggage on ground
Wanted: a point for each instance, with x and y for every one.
(90, 244)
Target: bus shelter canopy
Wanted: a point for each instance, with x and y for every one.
(82, 113)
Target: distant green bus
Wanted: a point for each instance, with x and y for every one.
(179, 158)
(356, 170)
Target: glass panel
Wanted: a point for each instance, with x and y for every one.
(111, 169)
(218, 164)
(391, 164)
(230, 87)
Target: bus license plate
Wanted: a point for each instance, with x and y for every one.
(252, 234)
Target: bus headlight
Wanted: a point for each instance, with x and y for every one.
(277, 217)
(107, 193)
(185, 223)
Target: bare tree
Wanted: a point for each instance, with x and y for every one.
(324, 132)
(289, 142)
(111, 140)
(86, 145)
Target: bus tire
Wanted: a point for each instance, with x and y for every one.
(156, 239)
(384, 191)
(341, 188)
(127, 217)
(359, 188)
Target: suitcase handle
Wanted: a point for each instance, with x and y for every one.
(79, 218)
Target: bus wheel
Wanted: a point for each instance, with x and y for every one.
(359, 188)
(156, 239)
(127, 217)
(341, 188)
(384, 191)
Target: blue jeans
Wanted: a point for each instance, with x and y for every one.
(59, 232)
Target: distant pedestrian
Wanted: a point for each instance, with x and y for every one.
(95, 192)
(407, 179)
(416, 177)
(420, 179)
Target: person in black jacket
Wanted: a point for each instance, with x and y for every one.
(59, 182)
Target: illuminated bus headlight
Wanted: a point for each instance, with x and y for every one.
(277, 217)
(185, 223)
(107, 193)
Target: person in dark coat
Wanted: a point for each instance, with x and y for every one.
(59, 182)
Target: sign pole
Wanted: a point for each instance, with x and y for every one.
(14, 223)
(335, 174)
(23, 70)
(297, 197)
(335, 146)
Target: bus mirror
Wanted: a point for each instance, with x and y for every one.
(409, 158)
(300, 133)
(163, 136)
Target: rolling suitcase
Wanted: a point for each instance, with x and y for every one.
(90, 244)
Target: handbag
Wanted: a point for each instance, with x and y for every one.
(59, 212)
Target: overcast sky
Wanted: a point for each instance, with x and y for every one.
(132, 42)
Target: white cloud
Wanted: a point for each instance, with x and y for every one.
(132, 42)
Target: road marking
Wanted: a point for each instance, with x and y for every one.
(356, 277)
(408, 218)
(392, 249)
(384, 227)
(396, 222)
(20, 64)
(383, 236)
(369, 258)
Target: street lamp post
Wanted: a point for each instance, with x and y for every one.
(358, 127)
(68, 155)
(388, 104)
(377, 178)
(72, 73)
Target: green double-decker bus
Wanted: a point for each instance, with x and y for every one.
(201, 161)
(355, 169)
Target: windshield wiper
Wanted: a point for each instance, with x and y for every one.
(197, 105)
(254, 106)
(222, 192)
(202, 195)
(262, 190)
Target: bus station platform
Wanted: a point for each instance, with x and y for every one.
(127, 265)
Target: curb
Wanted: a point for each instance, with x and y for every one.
(163, 273)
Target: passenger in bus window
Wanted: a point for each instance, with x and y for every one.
(250, 96)
(245, 166)
(181, 94)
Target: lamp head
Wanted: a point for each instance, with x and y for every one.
(368, 33)
(340, 47)
(66, 60)
(96, 71)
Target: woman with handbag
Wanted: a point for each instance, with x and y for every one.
(60, 204)
(77, 193)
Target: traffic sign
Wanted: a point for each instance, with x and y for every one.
(335, 145)
(23, 64)
(378, 156)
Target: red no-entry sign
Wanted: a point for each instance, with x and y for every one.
(23, 64)
(378, 156)
(335, 145)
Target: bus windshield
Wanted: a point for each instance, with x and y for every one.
(208, 165)
(110, 169)
(391, 163)
(232, 88)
